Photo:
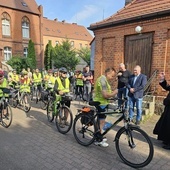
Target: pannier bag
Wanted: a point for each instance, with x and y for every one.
(88, 114)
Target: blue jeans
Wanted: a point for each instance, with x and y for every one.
(87, 89)
(123, 93)
(138, 102)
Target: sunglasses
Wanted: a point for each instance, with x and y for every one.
(64, 72)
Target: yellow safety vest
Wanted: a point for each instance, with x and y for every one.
(25, 87)
(98, 92)
(65, 89)
(5, 85)
(37, 79)
(15, 77)
(79, 80)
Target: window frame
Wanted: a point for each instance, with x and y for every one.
(6, 24)
(25, 28)
(7, 53)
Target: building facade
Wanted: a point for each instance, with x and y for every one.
(56, 31)
(20, 22)
(137, 34)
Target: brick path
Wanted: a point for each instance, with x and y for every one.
(33, 143)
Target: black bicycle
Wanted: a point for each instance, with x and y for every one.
(62, 114)
(5, 109)
(132, 144)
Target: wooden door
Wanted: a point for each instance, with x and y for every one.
(138, 51)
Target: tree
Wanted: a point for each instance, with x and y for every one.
(84, 53)
(31, 58)
(48, 56)
(65, 56)
(18, 63)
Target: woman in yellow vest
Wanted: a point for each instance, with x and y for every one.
(25, 82)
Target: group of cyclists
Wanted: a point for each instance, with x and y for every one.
(57, 79)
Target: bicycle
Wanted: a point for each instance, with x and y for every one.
(21, 99)
(62, 114)
(132, 144)
(35, 92)
(5, 109)
(46, 96)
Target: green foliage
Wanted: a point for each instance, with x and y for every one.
(31, 58)
(49, 52)
(84, 53)
(65, 56)
(18, 63)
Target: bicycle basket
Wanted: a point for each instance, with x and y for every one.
(89, 114)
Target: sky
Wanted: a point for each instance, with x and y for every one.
(82, 12)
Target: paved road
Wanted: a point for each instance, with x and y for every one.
(31, 143)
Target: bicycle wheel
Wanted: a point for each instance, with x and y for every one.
(50, 115)
(13, 102)
(64, 119)
(6, 116)
(134, 146)
(84, 129)
(26, 102)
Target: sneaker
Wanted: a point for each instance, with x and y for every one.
(104, 139)
(137, 122)
(102, 143)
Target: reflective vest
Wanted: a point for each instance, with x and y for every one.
(37, 78)
(25, 85)
(5, 85)
(79, 80)
(65, 89)
(15, 77)
(98, 92)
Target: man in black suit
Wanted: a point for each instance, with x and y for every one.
(136, 86)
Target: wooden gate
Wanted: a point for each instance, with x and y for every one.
(138, 51)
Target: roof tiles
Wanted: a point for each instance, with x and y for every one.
(24, 5)
(65, 30)
(137, 8)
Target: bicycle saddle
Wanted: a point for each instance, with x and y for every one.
(94, 103)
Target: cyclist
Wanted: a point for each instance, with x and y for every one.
(62, 86)
(14, 80)
(3, 84)
(79, 84)
(37, 78)
(102, 92)
(49, 79)
(25, 82)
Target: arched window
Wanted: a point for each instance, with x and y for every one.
(7, 53)
(25, 27)
(6, 24)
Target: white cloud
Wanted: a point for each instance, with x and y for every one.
(87, 12)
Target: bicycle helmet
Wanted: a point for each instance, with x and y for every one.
(50, 71)
(63, 70)
(1, 73)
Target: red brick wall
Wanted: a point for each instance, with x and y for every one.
(110, 46)
(15, 41)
